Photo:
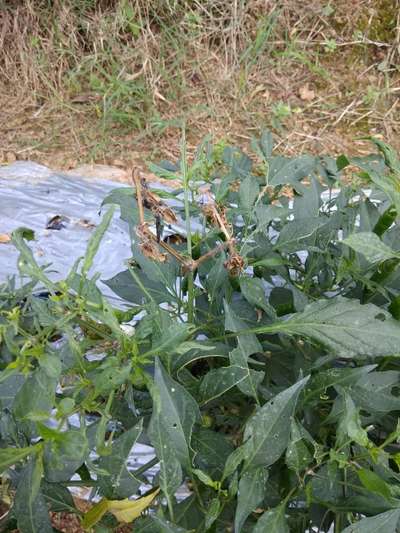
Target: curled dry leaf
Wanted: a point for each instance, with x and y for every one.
(217, 217)
(157, 207)
(234, 264)
(175, 238)
(148, 245)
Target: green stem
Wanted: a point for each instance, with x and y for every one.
(197, 492)
(146, 466)
(338, 522)
(186, 188)
(79, 483)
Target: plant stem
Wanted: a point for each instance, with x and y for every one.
(146, 466)
(185, 176)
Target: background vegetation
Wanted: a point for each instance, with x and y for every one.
(110, 81)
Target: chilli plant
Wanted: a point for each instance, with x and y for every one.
(255, 347)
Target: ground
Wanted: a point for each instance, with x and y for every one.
(112, 82)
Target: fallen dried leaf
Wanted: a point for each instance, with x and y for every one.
(306, 93)
(4, 238)
(85, 223)
(56, 223)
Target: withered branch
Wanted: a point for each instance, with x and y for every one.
(150, 244)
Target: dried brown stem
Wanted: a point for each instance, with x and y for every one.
(193, 265)
(235, 262)
(138, 187)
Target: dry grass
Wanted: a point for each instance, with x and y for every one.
(111, 81)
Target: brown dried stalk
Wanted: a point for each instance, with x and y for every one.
(138, 187)
(235, 263)
(191, 266)
(151, 201)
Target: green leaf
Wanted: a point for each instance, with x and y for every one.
(389, 183)
(272, 521)
(321, 381)
(299, 234)
(170, 339)
(233, 461)
(298, 455)
(27, 263)
(264, 146)
(110, 375)
(62, 457)
(204, 478)
(179, 412)
(384, 522)
(249, 385)
(385, 221)
(308, 203)
(266, 434)
(58, 497)
(285, 171)
(165, 526)
(9, 388)
(124, 197)
(212, 513)
(345, 327)
(248, 192)
(254, 292)
(126, 287)
(250, 494)
(380, 384)
(389, 154)
(95, 240)
(165, 273)
(218, 381)
(212, 450)
(370, 245)
(217, 277)
(35, 398)
(342, 162)
(326, 486)
(51, 364)
(95, 514)
(374, 483)
(170, 476)
(247, 342)
(188, 512)
(29, 504)
(267, 143)
(350, 425)
(119, 483)
(266, 214)
(11, 456)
